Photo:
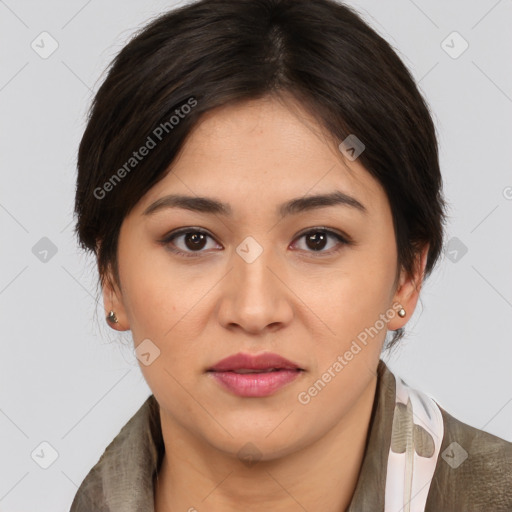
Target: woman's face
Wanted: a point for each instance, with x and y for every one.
(274, 271)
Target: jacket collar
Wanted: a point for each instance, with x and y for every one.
(370, 489)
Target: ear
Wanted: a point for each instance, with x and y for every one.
(113, 301)
(408, 291)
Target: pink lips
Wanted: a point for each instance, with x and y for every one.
(254, 375)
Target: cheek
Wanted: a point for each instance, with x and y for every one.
(151, 304)
(350, 304)
(350, 297)
(167, 303)
(148, 299)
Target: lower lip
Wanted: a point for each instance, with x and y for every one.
(255, 384)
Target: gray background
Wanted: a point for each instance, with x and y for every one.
(67, 380)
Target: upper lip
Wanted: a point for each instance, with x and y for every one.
(265, 361)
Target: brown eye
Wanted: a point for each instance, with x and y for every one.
(318, 239)
(187, 242)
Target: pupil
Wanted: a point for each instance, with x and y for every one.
(318, 241)
(195, 240)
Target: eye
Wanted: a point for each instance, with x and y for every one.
(316, 240)
(191, 240)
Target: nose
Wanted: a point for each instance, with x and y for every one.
(255, 296)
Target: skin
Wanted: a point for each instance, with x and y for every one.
(306, 305)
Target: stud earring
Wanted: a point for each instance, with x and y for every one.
(401, 313)
(112, 318)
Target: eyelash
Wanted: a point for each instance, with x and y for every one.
(166, 241)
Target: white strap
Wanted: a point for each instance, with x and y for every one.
(418, 431)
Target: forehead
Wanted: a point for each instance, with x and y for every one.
(260, 153)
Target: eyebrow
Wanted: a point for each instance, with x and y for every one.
(292, 207)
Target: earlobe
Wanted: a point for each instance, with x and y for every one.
(115, 314)
(408, 291)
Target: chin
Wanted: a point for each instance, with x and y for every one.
(252, 443)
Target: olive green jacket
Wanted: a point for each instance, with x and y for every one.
(472, 475)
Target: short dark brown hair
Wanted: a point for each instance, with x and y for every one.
(219, 52)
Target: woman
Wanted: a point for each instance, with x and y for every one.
(260, 183)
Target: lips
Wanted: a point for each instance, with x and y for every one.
(250, 375)
(247, 363)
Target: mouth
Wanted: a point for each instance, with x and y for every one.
(247, 370)
(250, 375)
(249, 363)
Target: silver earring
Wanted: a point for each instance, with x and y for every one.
(112, 318)
(401, 313)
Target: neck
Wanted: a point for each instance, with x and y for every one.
(322, 476)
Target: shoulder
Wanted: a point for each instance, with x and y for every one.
(473, 472)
